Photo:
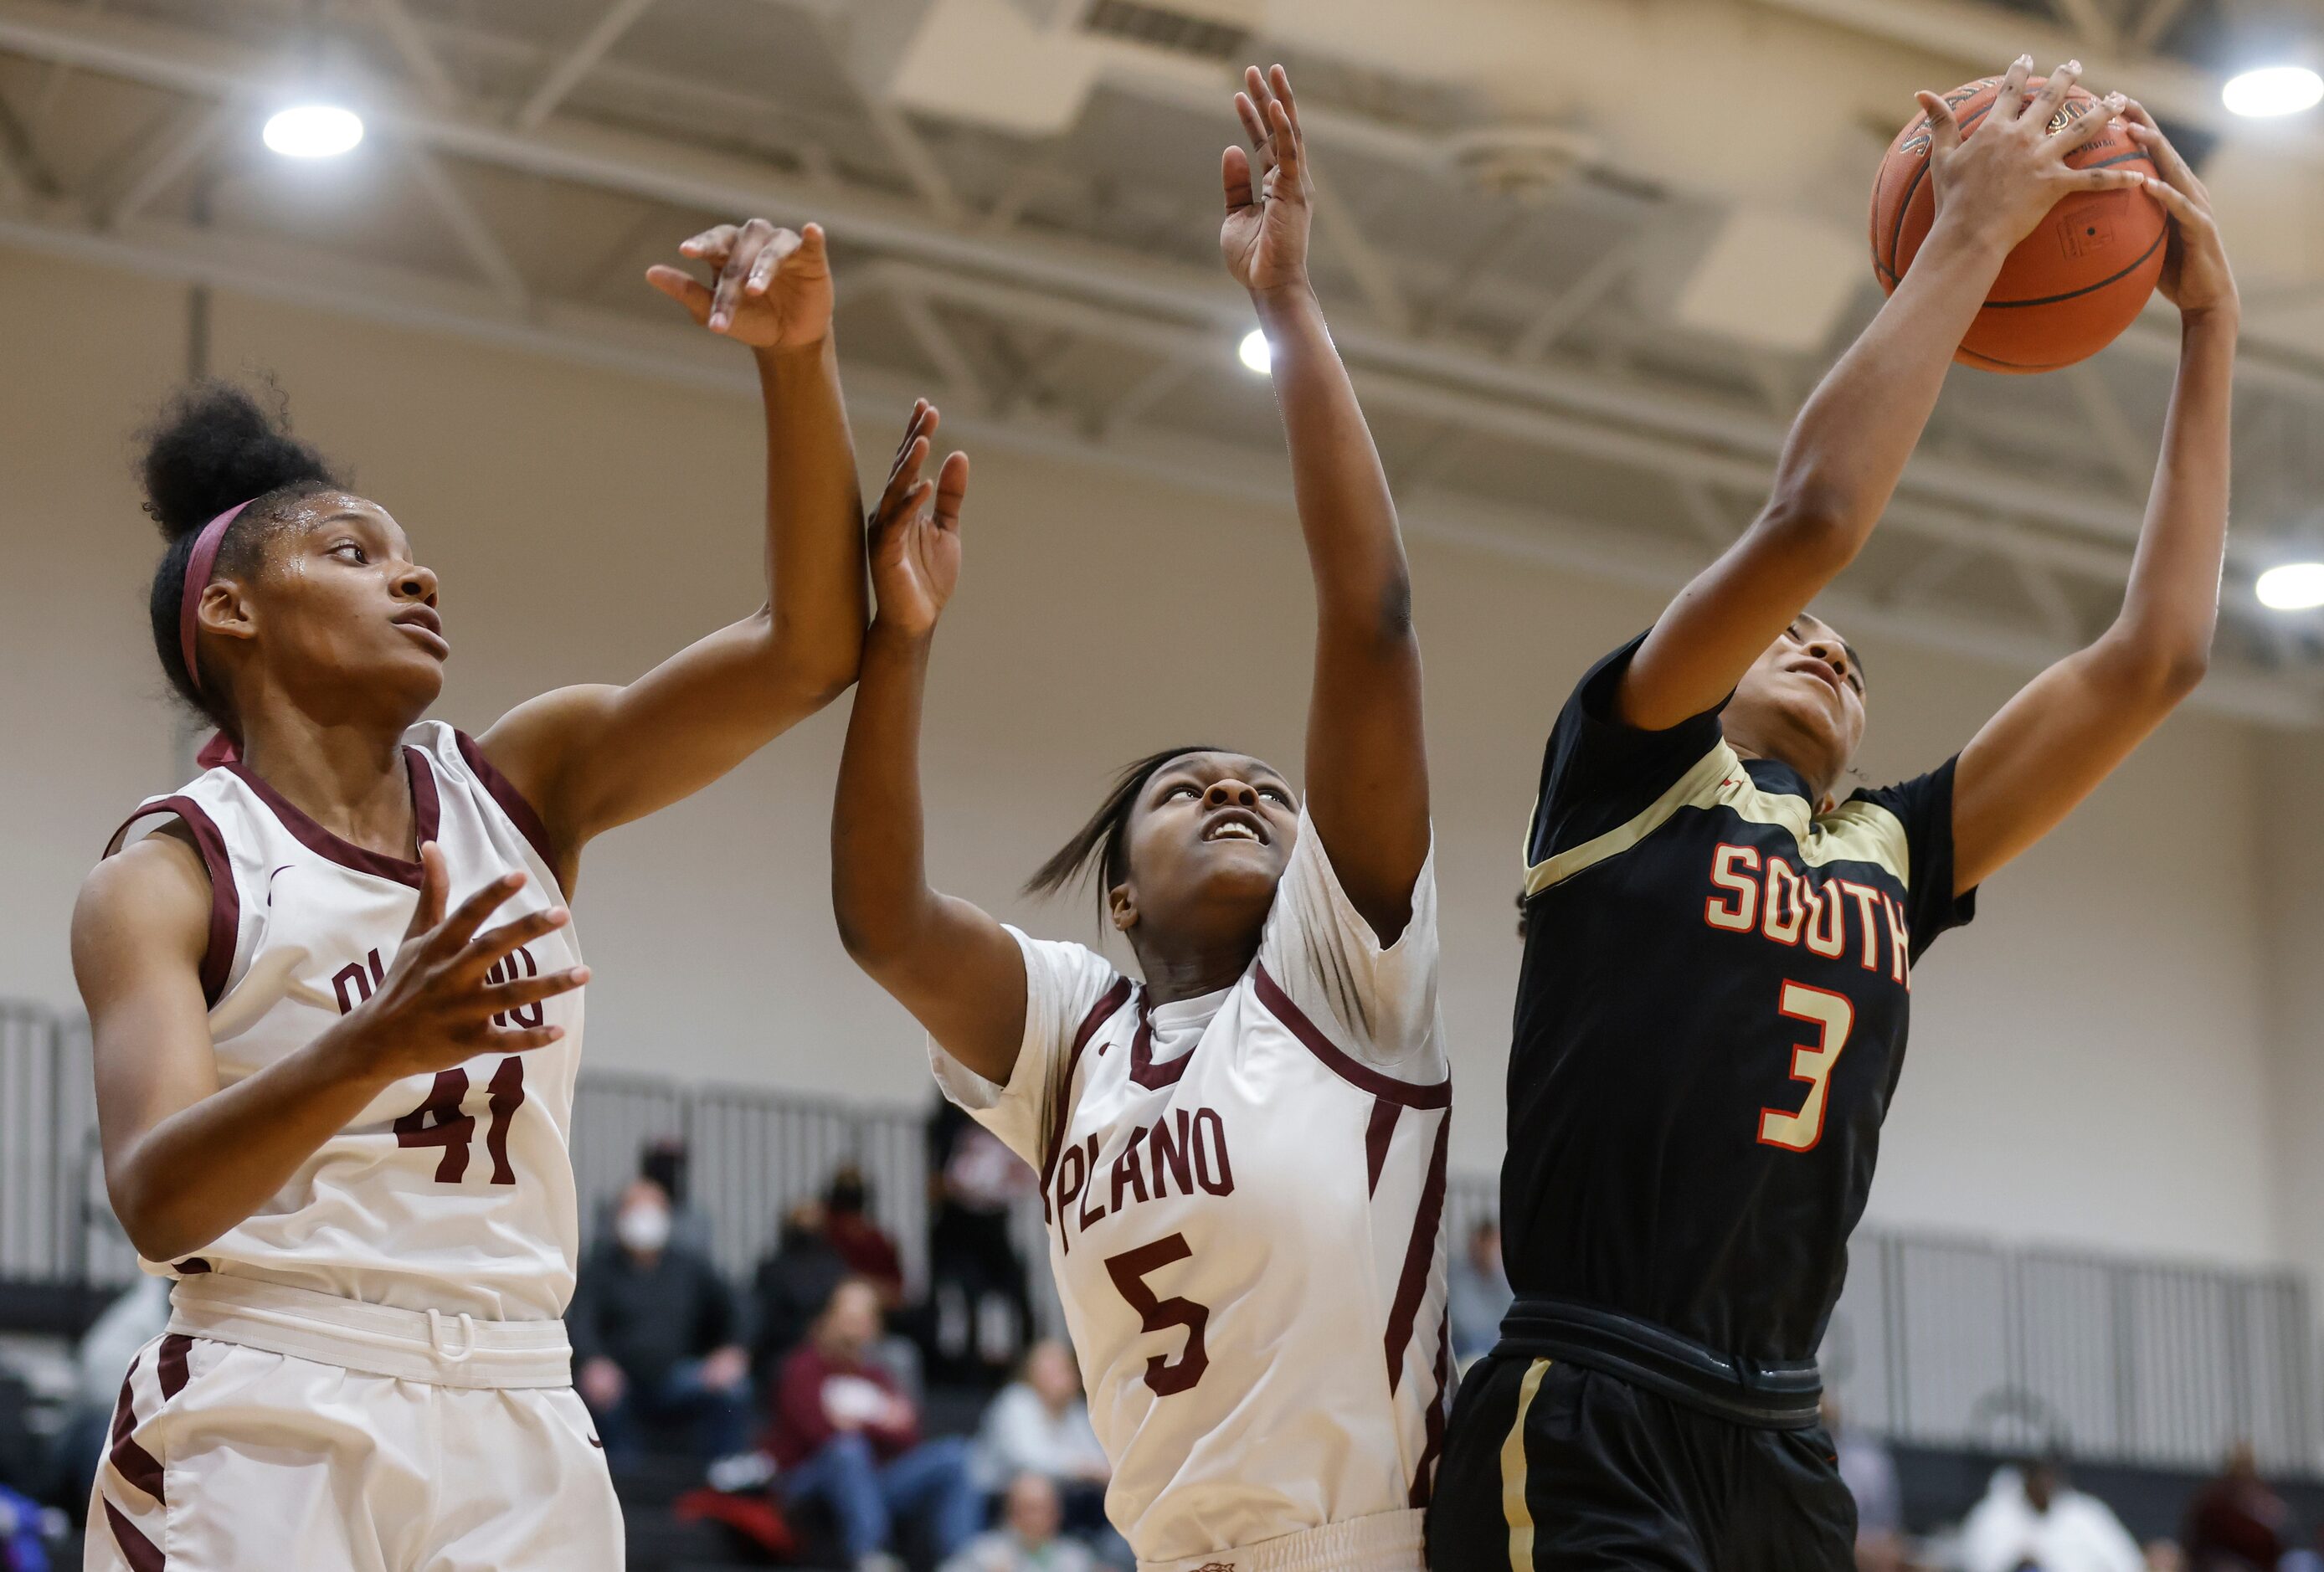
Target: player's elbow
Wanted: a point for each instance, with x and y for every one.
(156, 1216)
(2155, 670)
(815, 668)
(1811, 525)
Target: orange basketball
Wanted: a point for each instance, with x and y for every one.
(2073, 284)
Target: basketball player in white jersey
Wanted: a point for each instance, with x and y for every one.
(1242, 1154)
(336, 1001)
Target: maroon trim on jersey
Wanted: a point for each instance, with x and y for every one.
(130, 1460)
(1419, 1255)
(511, 800)
(1153, 1076)
(425, 815)
(170, 1364)
(192, 1266)
(1377, 1135)
(1423, 1478)
(225, 900)
(1100, 1014)
(1339, 1063)
(139, 1552)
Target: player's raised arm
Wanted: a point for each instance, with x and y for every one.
(592, 756)
(1849, 444)
(2070, 727)
(1366, 763)
(948, 962)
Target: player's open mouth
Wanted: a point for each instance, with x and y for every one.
(1235, 825)
(425, 625)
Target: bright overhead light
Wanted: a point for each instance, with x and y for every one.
(313, 131)
(2293, 587)
(1256, 352)
(2274, 90)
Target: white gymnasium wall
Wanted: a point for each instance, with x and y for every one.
(2092, 1061)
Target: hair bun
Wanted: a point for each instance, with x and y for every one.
(216, 444)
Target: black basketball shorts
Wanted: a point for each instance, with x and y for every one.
(1549, 1467)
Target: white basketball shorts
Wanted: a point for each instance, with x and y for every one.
(272, 1427)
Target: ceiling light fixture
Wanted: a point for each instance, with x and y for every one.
(313, 131)
(1256, 352)
(2273, 90)
(2293, 587)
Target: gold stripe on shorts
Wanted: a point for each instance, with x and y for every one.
(1513, 1474)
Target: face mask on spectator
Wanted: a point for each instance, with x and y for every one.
(643, 1229)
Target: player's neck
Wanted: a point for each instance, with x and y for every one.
(1818, 791)
(1189, 970)
(350, 779)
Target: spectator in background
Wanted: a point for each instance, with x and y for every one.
(870, 1254)
(1040, 1424)
(980, 1306)
(2237, 1523)
(1871, 1475)
(655, 1335)
(2031, 1517)
(1478, 1294)
(1028, 1540)
(846, 1434)
(665, 1160)
(793, 1284)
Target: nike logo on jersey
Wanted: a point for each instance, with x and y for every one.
(270, 882)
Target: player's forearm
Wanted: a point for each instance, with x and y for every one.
(816, 597)
(2171, 604)
(1362, 583)
(879, 873)
(1849, 447)
(206, 1168)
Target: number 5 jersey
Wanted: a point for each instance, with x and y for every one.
(452, 1191)
(1245, 1196)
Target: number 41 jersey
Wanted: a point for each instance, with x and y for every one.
(1711, 1019)
(451, 1191)
(1245, 1195)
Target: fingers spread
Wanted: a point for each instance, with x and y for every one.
(499, 997)
(461, 927)
(2010, 101)
(1288, 151)
(772, 255)
(1254, 128)
(682, 287)
(2118, 179)
(2088, 128)
(711, 245)
(523, 1039)
(2175, 202)
(481, 952)
(2053, 92)
(1279, 82)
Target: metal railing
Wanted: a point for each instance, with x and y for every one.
(1937, 1341)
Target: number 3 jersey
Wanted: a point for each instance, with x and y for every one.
(452, 1191)
(1711, 1018)
(1245, 1198)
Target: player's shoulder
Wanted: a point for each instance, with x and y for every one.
(156, 888)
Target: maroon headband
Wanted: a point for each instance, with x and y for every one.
(199, 568)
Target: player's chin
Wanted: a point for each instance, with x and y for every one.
(1231, 867)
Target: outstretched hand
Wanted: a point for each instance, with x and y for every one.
(773, 288)
(1270, 206)
(2003, 175)
(2196, 277)
(916, 531)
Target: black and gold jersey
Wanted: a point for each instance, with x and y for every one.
(1710, 1022)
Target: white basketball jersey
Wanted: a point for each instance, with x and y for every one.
(451, 1191)
(1245, 1196)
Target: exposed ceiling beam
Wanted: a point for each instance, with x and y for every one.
(565, 73)
(434, 82)
(633, 346)
(2154, 22)
(2096, 29)
(183, 139)
(476, 236)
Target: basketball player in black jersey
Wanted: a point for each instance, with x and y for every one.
(1711, 1011)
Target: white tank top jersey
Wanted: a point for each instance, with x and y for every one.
(1245, 1195)
(451, 1191)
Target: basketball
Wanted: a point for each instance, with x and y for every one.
(2072, 286)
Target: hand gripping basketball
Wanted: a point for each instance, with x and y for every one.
(434, 1009)
(2002, 176)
